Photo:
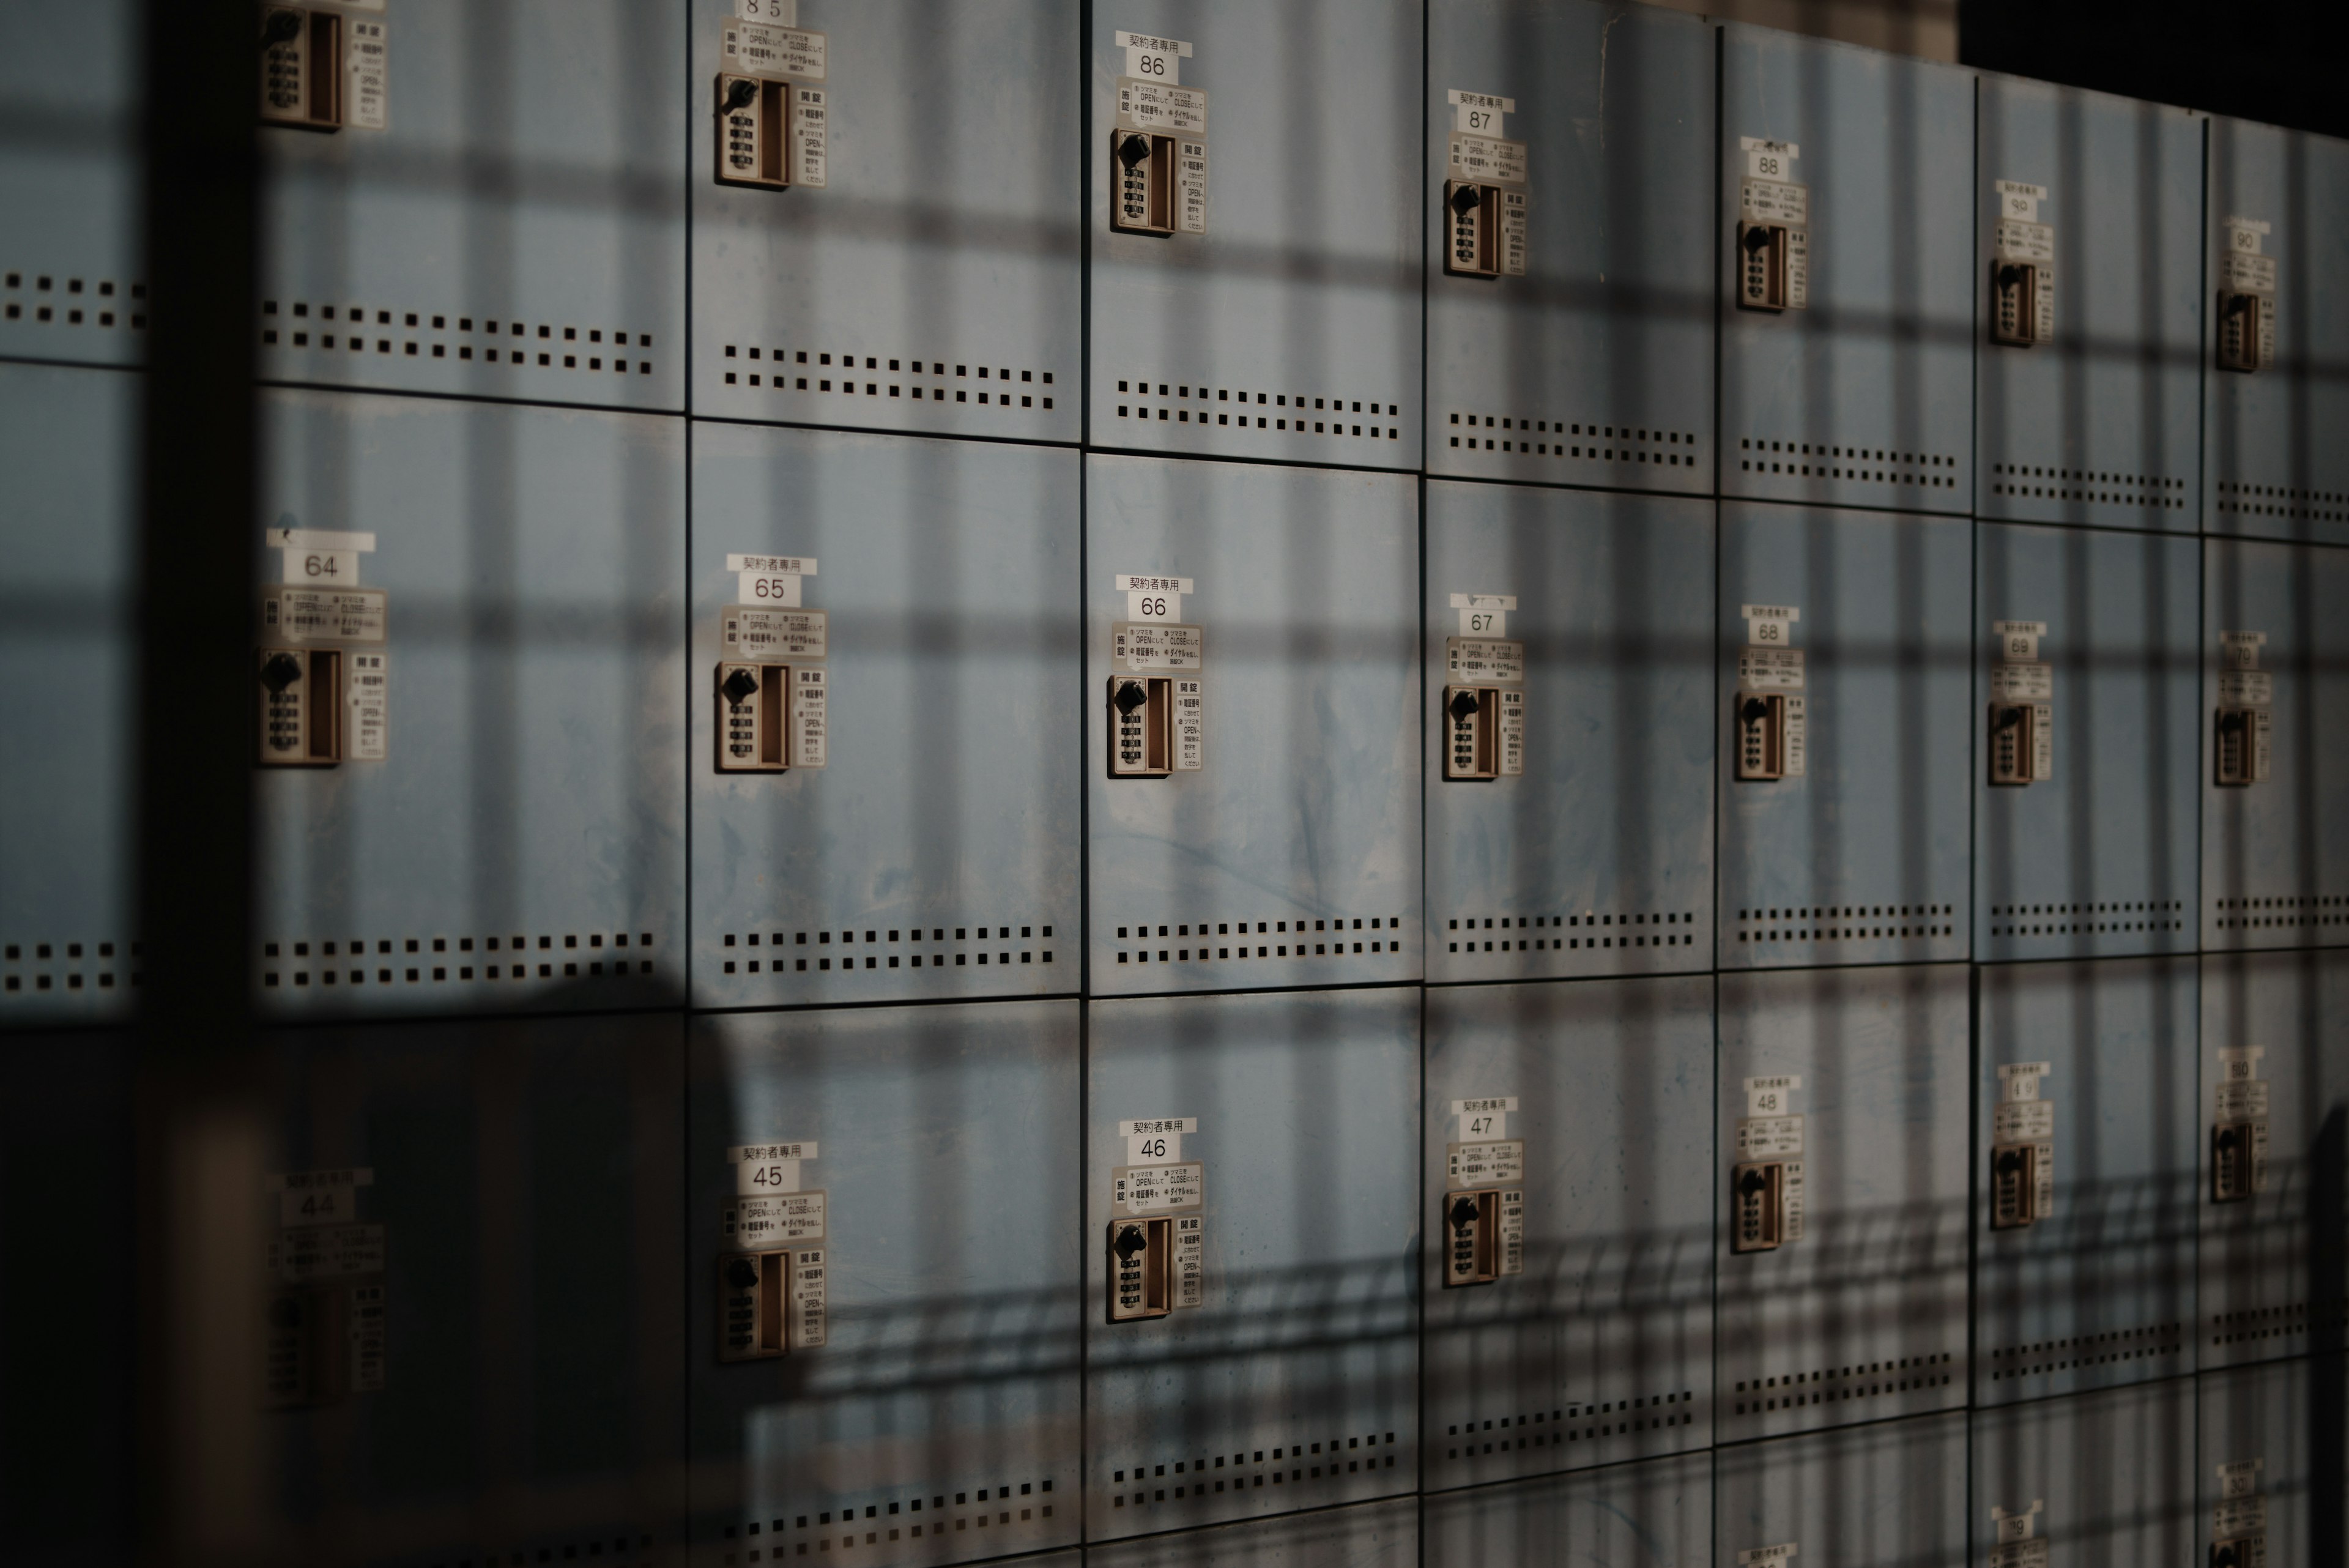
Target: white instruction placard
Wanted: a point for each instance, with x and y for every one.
(773, 49)
(1769, 669)
(1503, 1160)
(771, 631)
(1487, 159)
(325, 615)
(762, 1224)
(1157, 1189)
(1472, 661)
(367, 691)
(1161, 107)
(2023, 682)
(366, 74)
(1769, 1137)
(1150, 646)
(810, 726)
(312, 1252)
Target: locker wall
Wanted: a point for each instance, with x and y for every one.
(540, 983)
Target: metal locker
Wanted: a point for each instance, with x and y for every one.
(1271, 1142)
(1846, 368)
(1846, 737)
(471, 1338)
(1579, 628)
(73, 281)
(2086, 1212)
(924, 839)
(1656, 1513)
(2271, 1127)
(2104, 1477)
(2268, 1472)
(1570, 144)
(69, 1325)
(2277, 206)
(67, 542)
(916, 266)
(482, 201)
(2088, 266)
(1565, 1285)
(911, 1175)
(1890, 1494)
(1255, 244)
(1285, 613)
(2275, 783)
(1842, 1161)
(2085, 681)
(1367, 1535)
(510, 833)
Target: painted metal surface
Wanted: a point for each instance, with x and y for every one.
(2105, 1477)
(1894, 1493)
(1657, 1513)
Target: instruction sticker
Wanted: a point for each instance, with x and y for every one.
(1190, 725)
(367, 71)
(810, 731)
(811, 120)
(1769, 1137)
(312, 1252)
(808, 1316)
(2249, 273)
(773, 49)
(1156, 1188)
(763, 1224)
(2246, 688)
(1769, 669)
(1487, 159)
(325, 615)
(1190, 1261)
(369, 697)
(1485, 1164)
(1149, 646)
(1155, 1140)
(1470, 660)
(1171, 111)
(767, 631)
(1775, 202)
(2023, 1121)
(2023, 682)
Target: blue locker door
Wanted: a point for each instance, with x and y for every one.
(521, 841)
(2107, 1478)
(1596, 857)
(473, 1326)
(2274, 1100)
(931, 280)
(1886, 1495)
(500, 216)
(1841, 1156)
(1275, 313)
(1292, 1383)
(934, 851)
(922, 1407)
(1854, 386)
(2276, 690)
(2264, 1433)
(68, 701)
(1576, 1329)
(2277, 245)
(2084, 1175)
(1858, 853)
(1290, 853)
(2099, 856)
(73, 284)
(2088, 233)
(1585, 356)
(1657, 1513)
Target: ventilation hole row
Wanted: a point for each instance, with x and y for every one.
(15, 983)
(332, 974)
(2251, 1324)
(847, 379)
(1843, 1383)
(415, 975)
(354, 336)
(1268, 400)
(2274, 913)
(75, 314)
(1197, 1488)
(1558, 943)
(2283, 500)
(1613, 452)
(898, 1521)
(43, 951)
(358, 947)
(1902, 469)
(2091, 1350)
(2139, 490)
(2009, 912)
(1801, 924)
(2086, 928)
(1263, 949)
(1615, 1426)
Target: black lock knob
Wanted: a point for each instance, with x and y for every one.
(741, 1274)
(1133, 150)
(2009, 1162)
(1464, 1213)
(1757, 238)
(1130, 696)
(1753, 710)
(1464, 706)
(2010, 718)
(1464, 200)
(740, 93)
(285, 1312)
(1129, 1242)
(1750, 1184)
(740, 685)
(280, 671)
(282, 27)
